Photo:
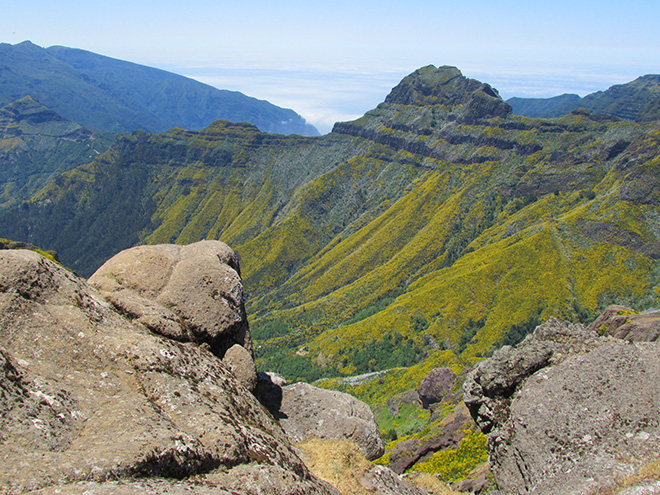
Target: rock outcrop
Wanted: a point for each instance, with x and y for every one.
(94, 402)
(187, 293)
(311, 412)
(447, 86)
(567, 411)
(626, 324)
(436, 386)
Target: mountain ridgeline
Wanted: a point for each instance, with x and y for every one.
(113, 95)
(638, 100)
(437, 224)
(37, 144)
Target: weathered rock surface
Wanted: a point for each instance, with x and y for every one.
(240, 362)
(567, 411)
(311, 412)
(91, 402)
(188, 293)
(435, 386)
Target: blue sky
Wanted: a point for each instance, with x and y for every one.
(334, 60)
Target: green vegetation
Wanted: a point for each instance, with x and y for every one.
(455, 465)
(517, 333)
(390, 351)
(410, 418)
(390, 241)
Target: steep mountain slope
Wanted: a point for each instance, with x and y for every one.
(105, 93)
(36, 145)
(638, 100)
(555, 106)
(438, 220)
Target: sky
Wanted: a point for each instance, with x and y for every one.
(334, 60)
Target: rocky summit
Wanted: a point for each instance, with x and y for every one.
(93, 401)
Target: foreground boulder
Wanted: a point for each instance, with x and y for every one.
(311, 412)
(187, 293)
(567, 411)
(92, 402)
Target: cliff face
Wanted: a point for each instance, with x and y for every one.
(92, 400)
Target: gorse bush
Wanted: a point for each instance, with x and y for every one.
(456, 464)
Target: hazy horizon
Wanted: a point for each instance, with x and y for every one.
(334, 61)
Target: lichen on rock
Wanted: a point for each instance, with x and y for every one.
(94, 401)
(567, 411)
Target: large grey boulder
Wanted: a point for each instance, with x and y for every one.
(92, 402)
(241, 363)
(187, 293)
(307, 411)
(567, 411)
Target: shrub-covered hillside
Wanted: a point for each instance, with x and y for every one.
(437, 222)
(37, 144)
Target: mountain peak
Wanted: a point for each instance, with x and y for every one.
(31, 110)
(446, 85)
(23, 46)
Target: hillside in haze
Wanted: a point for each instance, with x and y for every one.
(434, 229)
(638, 100)
(113, 95)
(36, 145)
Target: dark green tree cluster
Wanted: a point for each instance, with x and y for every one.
(392, 351)
(517, 333)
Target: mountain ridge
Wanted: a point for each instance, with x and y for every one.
(110, 94)
(355, 240)
(637, 100)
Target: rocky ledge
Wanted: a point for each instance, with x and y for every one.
(570, 411)
(128, 394)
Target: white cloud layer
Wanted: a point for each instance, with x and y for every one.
(325, 96)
